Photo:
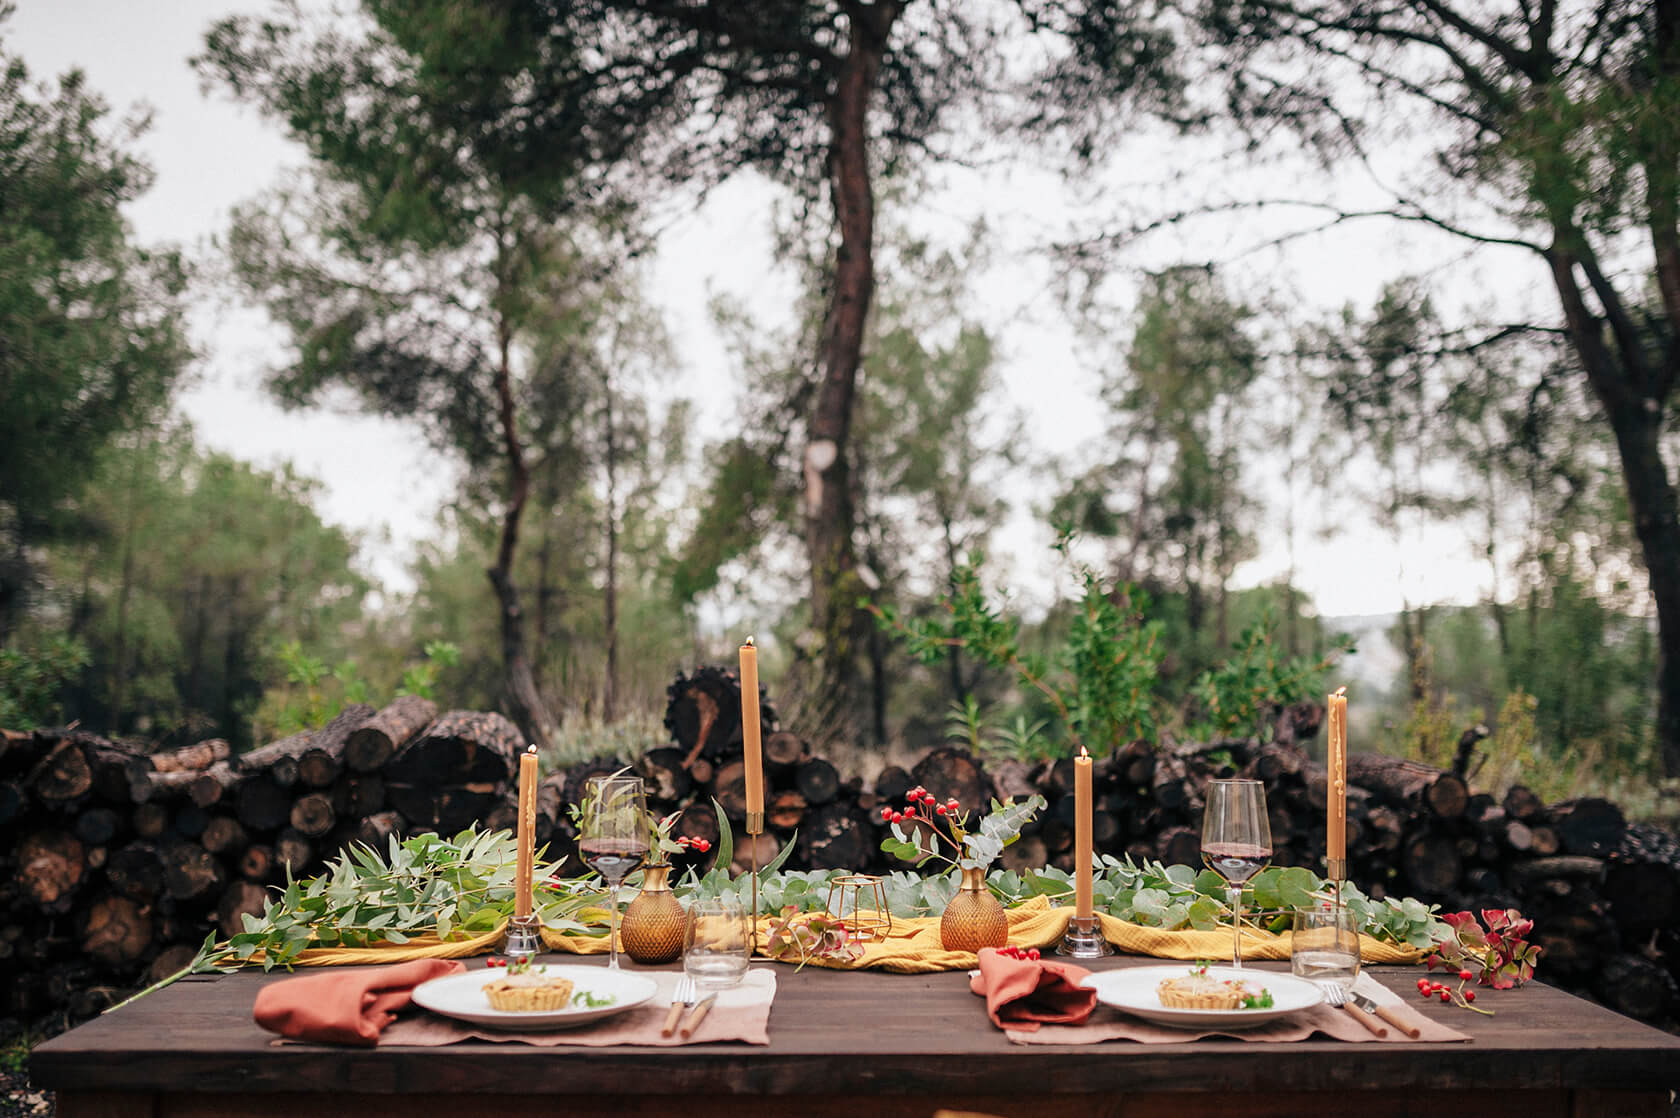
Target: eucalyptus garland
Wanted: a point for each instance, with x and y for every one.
(453, 889)
(459, 888)
(1173, 898)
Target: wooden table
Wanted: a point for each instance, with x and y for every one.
(864, 1045)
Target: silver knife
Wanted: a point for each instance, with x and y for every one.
(698, 1015)
(1370, 1005)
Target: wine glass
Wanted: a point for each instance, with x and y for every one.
(1236, 842)
(614, 838)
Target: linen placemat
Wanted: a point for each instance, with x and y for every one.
(741, 1015)
(1108, 1023)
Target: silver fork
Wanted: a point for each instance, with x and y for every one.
(1338, 999)
(685, 996)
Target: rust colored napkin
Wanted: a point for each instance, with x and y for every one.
(350, 1006)
(1023, 994)
(741, 1015)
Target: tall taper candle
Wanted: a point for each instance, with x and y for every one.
(750, 746)
(1082, 835)
(1335, 836)
(527, 837)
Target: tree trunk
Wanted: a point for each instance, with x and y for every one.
(609, 685)
(953, 655)
(119, 650)
(526, 701)
(1656, 520)
(827, 481)
(1634, 396)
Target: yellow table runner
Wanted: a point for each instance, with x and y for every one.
(913, 946)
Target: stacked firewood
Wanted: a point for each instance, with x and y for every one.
(116, 863)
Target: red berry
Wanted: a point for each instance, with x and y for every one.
(1464, 976)
(951, 803)
(1423, 984)
(940, 809)
(1033, 954)
(1446, 997)
(1469, 995)
(898, 817)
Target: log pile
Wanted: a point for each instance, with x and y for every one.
(115, 863)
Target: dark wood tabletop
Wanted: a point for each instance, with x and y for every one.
(894, 1044)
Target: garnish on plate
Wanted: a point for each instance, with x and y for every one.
(583, 999)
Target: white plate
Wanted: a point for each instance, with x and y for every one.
(1133, 990)
(462, 996)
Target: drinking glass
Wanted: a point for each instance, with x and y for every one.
(1324, 945)
(717, 942)
(1236, 842)
(613, 840)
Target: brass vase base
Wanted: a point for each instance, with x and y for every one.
(1084, 939)
(652, 928)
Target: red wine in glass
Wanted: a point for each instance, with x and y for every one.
(614, 839)
(613, 859)
(1236, 862)
(1236, 842)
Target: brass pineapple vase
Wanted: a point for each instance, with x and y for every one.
(652, 928)
(974, 918)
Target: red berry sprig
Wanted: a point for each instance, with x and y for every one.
(495, 961)
(919, 802)
(1459, 996)
(697, 845)
(1025, 954)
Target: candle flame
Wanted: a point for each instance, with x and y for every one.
(532, 748)
(1341, 692)
(1082, 752)
(749, 643)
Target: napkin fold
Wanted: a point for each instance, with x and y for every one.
(344, 1006)
(1023, 994)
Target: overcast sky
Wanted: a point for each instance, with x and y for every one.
(382, 482)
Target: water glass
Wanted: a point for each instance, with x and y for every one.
(717, 942)
(1324, 946)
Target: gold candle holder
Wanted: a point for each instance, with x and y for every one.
(755, 827)
(874, 927)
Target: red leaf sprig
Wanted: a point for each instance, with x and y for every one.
(1498, 955)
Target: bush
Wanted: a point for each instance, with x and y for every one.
(31, 681)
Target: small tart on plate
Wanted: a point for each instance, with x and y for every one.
(1200, 990)
(527, 989)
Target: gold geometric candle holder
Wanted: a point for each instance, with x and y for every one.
(861, 906)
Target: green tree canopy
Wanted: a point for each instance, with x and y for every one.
(92, 337)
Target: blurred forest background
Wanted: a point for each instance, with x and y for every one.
(463, 247)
